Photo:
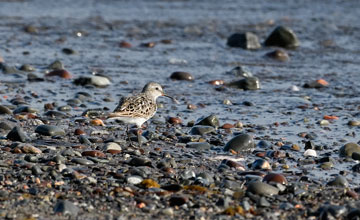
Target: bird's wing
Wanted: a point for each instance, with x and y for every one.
(135, 106)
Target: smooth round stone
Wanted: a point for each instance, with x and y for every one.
(69, 51)
(354, 123)
(64, 108)
(27, 109)
(249, 83)
(62, 73)
(339, 181)
(66, 207)
(262, 189)
(348, 149)
(93, 153)
(138, 161)
(49, 130)
(210, 120)
(17, 134)
(355, 156)
(240, 71)
(29, 149)
(278, 55)
(82, 161)
(134, 180)
(275, 177)
(100, 81)
(201, 129)
(282, 37)
(112, 146)
(27, 68)
(56, 65)
(5, 126)
(310, 153)
(261, 164)
(182, 76)
(5, 110)
(178, 200)
(187, 174)
(245, 40)
(168, 211)
(56, 114)
(241, 142)
(198, 145)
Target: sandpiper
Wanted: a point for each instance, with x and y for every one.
(139, 108)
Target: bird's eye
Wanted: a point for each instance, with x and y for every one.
(157, 88)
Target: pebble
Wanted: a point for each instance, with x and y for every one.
(261, 164)
(138, 161)
(82, 161)
(69, 51)
(29, 149)
(100, 81)
(134, 180)
(26, 109)
(201, 130)
(354, 123)
(249, 83)
(178, 200)
(112, 146)
(93, 153)
(17, 134)
(279, 55)
(348, 149)
(245, 40)
(66, 207)
(240, 71)
(27, 68)
(275, 177)
(339, 181)
(182, 76)
(210, 120)
(310, 153)
(262, 189)
(200, 146)
(5, 110)
(60, 73)
(241, 142)
(49, 130)
(282, 37)
(56, 65)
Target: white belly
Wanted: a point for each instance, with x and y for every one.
(136, 121)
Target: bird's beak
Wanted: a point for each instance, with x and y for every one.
(174, 100)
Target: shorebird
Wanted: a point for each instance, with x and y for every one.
(139, 108)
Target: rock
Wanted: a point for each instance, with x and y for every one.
(348, 149)
(178, 200)
(240, 71)
(279, 55)
(282, 37)
(26, 109)
(138, 161)
(29, 149)
(5, 125)
(245, 40)
(201, 130)
(66, 207)
(125, 44)
(27, 68)
(354, 123)
(249, 83)
(310, 153)
(5, 110)
(182, 76)
(275, 177)
(134, 179)
(339, 181)
(69, 51)
(261, 164)
(100, 81)
(233, 164)
(262, 189)
(82, 161)
(241, 142)
(331, 212)
(112, 146)
(30, 29)
(9, 69)
(17, 134)
(60, 73)
(93, 153)
(56, 65)
(210, 120)
(49, 130)
(198, 146)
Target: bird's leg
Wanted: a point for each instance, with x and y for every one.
(139, 132)
(128, 134)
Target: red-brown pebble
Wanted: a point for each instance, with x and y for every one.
(227, 126)
(234, 164)
(149, 44)
(174, 120)
(78, 131)
(17, 150)
(48, 106)
(275, 177)
(93, 153)
(260, 154)
(61, 73)
(125, 44)
(113, 151)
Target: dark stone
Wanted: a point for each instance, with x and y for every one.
(242, 142)
(249, 83)
(66, 208)
(178, 200)
(210, 120)
(17, 134)
(262, 189)
(282, 37)
(245, 40)
(201, 129)
(49, 130)
(240, 71)
(182, 76)
(5, 110)
(56, 65)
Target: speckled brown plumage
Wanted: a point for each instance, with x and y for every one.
(141, 106)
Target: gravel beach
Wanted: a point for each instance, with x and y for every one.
(266, 125)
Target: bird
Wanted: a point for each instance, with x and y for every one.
(139, 108)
